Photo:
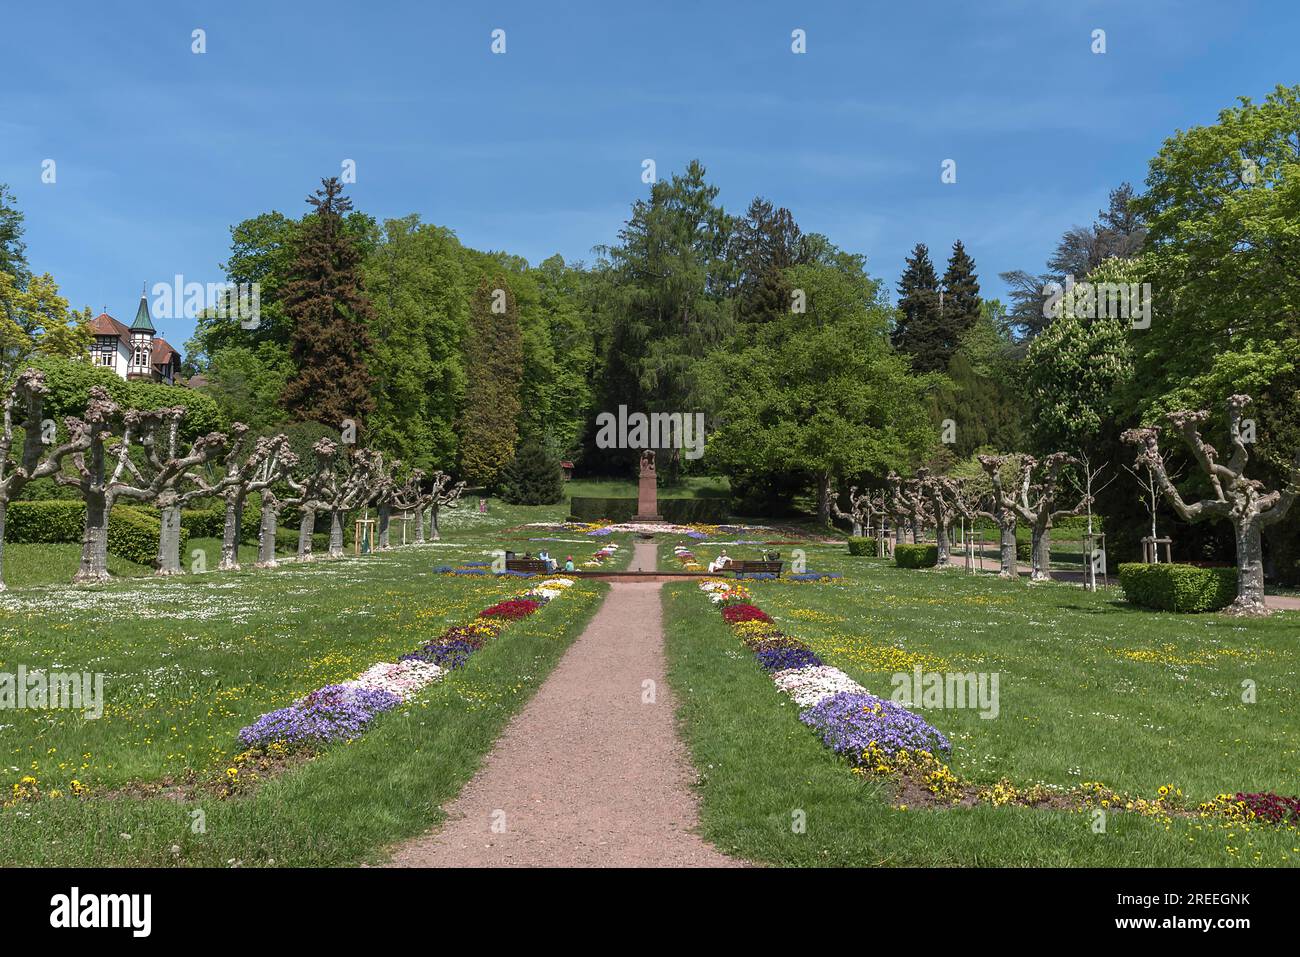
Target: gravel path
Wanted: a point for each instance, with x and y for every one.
(587, 775)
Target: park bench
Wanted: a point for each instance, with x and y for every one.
(755, 568)
(529, 566)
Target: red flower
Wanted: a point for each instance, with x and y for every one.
(735, 614)
(512, 609)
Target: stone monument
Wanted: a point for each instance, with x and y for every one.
(647, 498)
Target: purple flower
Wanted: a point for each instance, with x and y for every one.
(779, 659)
(445, 654)
(334, 713)
(852, 721)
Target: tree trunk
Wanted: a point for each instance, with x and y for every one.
(385, 516)
(435, 534)
(306, 527)
(916, 531)
(941, 541)
(824, 500)
(4, 508)
(899, 532)
(1041, 550)
(857, 529)
(1250, 570)
(94, 541)
(270, 522)
(419, 524)
(1008, 556)
(169, 540)
(336, 533)
(230, 533)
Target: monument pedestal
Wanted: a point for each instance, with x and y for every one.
(647, 498)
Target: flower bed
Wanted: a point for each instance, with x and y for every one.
(342, 711)
(333, 713)
(512, 609)
(811, 686)
(735, 614)
(851, 721)
(880, 737)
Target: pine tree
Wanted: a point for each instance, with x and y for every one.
(330, 313)
(917, 330)
(533, 477)
(494, 360)
(961, 296)
(13, 252)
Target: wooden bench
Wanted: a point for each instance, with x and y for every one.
(755, 568)
(529, 566)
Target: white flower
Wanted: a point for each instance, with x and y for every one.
(402, 678)
(810, 686)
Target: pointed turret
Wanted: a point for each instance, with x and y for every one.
(142, 322)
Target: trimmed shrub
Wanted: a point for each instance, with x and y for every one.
(916, 556)
(132, 532)
(704, 511)
(1024, 551)
(1180, 588)
(286, 539)
(46, 522)
(211, 522)
(133, 535)
(862, 546)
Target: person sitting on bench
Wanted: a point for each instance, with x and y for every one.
(719, 563)
(568, 564)
(545, 556)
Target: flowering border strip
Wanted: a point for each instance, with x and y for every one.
(880, 737)
(343, 711)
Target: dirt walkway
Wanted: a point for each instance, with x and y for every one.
(587, 775)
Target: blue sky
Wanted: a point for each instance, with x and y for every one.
(539, 150)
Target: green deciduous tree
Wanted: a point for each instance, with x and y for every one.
(821, 394)
(417, 284)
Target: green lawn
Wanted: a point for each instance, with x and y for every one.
(188, 661)
(1090, 690)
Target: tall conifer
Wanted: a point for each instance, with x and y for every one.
(330, 314)
(494, 361)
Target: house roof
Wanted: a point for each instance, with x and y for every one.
(105, 325)
(163, 351)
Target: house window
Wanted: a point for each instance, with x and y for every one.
(105, 347)
(142, 351)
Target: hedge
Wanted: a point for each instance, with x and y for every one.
(862, 546)
(916, 556)
(133, 535)
(1024, 551)
(286, 539)
(705, 511)
(1181, 588)
(132, 532)
(211, 522)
